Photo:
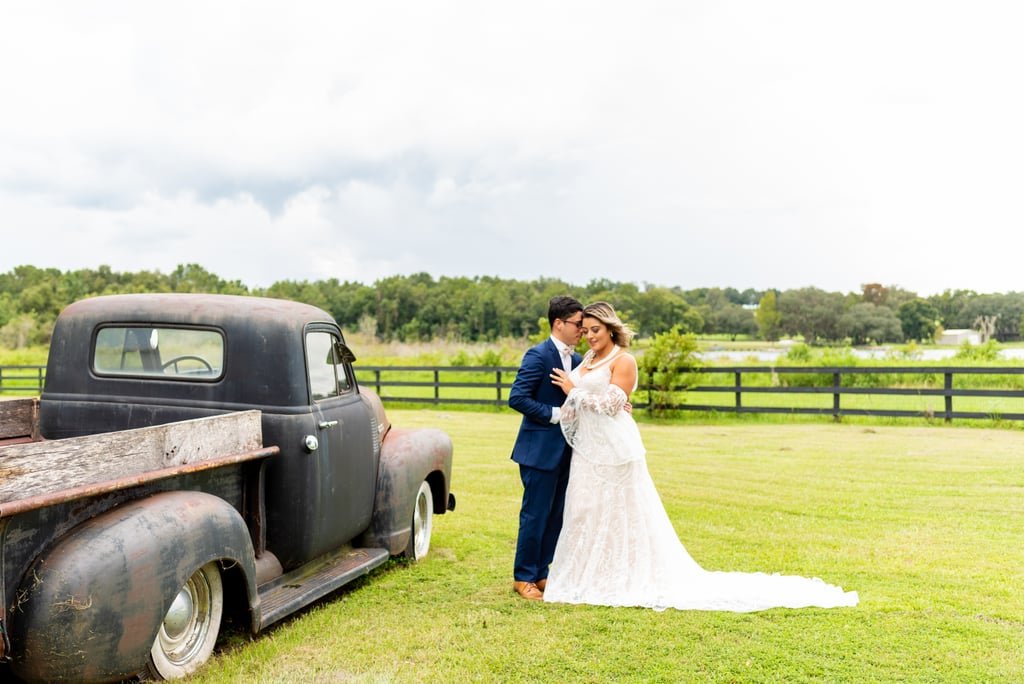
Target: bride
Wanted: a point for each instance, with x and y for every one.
(617, 546)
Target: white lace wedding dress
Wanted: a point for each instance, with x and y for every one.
(618, 547)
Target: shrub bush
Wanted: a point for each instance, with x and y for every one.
(668, 366)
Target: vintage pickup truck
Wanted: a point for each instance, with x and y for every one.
(194, 458)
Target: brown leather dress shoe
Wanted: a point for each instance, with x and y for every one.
(528, 590)
(542, 583)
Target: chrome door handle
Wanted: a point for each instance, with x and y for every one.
(324, 424)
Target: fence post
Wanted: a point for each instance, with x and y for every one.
(739, 389)
(836, 385)
(376, 375)
(437, 386)
(497, 385)
(948, 386)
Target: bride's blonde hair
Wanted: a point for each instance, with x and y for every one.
(620, 332)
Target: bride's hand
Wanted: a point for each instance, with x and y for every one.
(561, 380)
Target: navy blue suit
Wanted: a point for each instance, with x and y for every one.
(543, 457)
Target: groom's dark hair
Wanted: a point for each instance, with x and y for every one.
(562, 307)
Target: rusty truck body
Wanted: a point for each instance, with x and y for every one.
(194, 458)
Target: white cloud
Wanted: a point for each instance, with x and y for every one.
(740, 144)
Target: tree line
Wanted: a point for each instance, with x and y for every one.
(419, 307)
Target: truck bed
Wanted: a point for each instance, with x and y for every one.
(36, 472)
(19, 420)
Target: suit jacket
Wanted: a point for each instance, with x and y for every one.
(540, 443)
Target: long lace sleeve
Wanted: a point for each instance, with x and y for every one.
(594, 422)
(579, 401)
(569, 420)
(608, 402)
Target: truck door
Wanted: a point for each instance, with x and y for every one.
(347, 453)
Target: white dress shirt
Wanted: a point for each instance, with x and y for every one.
(566, 352)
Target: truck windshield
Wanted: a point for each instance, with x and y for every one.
(172, 353)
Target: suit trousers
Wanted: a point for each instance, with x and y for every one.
(540, 520)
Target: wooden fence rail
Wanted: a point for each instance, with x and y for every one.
(842, 390)
(934, 387)
(24, 379)
(896, 386)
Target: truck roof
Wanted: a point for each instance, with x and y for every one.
(264, 353)
(190, 308)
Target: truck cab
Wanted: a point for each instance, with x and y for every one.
(334, 492)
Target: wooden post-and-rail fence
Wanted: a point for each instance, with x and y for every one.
(904, 391)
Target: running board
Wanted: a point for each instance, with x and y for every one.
(316, 579)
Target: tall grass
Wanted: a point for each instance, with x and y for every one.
(26, 356)
(923, 522)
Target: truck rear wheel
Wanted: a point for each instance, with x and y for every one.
(189, 629)
(422, 523)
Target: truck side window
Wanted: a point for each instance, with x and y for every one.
(171, 353)
(327, 377)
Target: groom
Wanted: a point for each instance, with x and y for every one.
(540, 449)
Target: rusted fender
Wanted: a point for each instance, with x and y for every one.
(89, 609)
(407, 458)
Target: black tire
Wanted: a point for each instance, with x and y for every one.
(422, 523)
(189, 630)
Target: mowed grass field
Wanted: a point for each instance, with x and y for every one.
(924, 522)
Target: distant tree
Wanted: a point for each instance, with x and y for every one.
(418, 307)
(985, 325)
(867, 323)
(8, 308)
(896, 296)
(695, 297)
(483, 310)
(874, 293)
(714, 307)
(195, 278)
(40, 299)
(660, 310)
(22, 277)
(919, 319)
(716, 299)
(734, 320)
(733, 295)
(768, 318)
(1004, 310)
(349, 302)
(626, 298)
(749, 297)
(952, 307)
(812, 313)
(17, 333)
(299, 291)
(892, 296)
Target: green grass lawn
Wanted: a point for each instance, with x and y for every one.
(924, 522)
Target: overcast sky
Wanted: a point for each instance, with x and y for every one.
(765, 144)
